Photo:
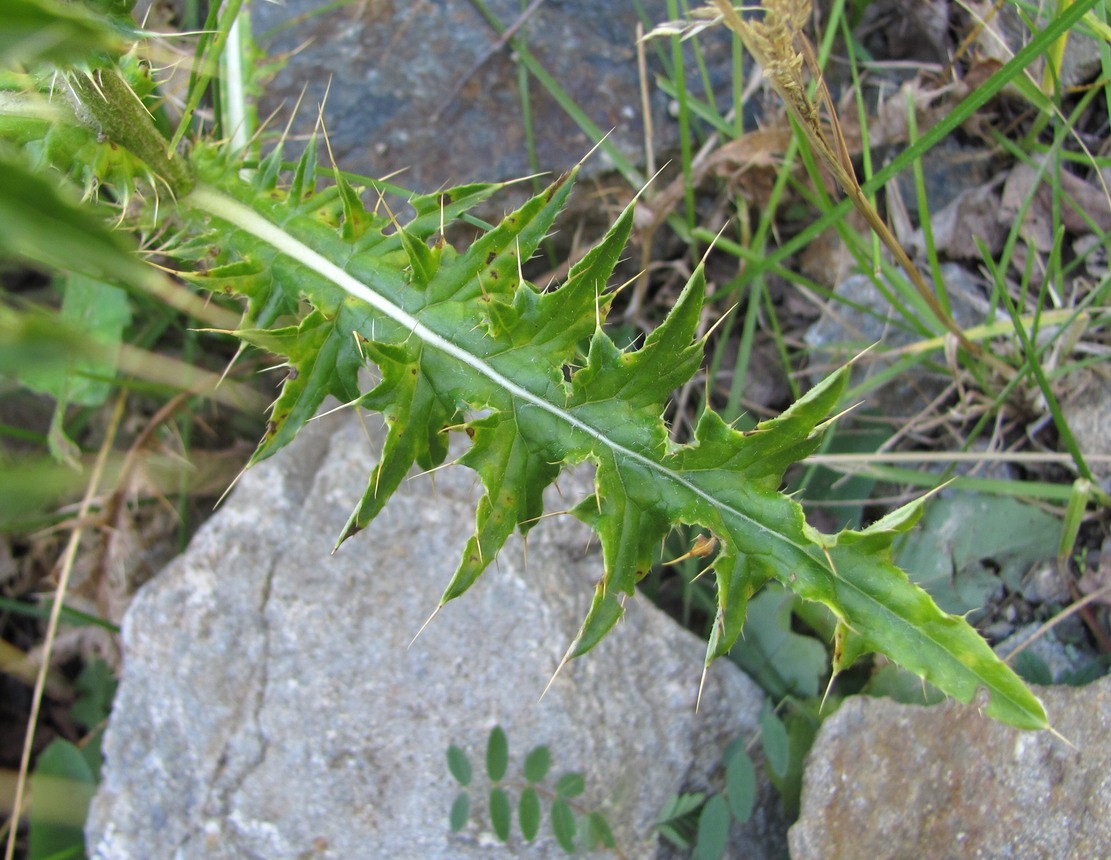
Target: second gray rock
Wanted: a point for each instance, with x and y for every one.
(271, 704)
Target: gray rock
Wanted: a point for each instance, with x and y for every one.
(271, 705)
(887, 781)
(399, 96)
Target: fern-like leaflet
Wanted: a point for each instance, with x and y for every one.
(461, 342)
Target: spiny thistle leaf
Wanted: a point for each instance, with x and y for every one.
(462, 343)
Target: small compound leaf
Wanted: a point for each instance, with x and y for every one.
(713, 830)
(497, 753)
(459, 765)
(740, 786)
(528, 810)
(563, 825)
(679, 805)
(675, 836)
(460, 811)
(499, 813)
(599, 832)
(676, 821)
(537, 764)
(570, 785)
(1082, 676)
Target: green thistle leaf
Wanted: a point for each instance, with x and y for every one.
(462, 343)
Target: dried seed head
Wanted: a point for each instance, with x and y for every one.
(772, 41)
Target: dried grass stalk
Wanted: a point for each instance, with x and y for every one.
(778, 44)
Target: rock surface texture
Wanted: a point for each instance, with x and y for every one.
(271, 705)
(425, 88)
(888, 781)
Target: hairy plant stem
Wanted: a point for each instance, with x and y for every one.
(121, 117)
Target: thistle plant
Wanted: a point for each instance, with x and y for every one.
(463, 343)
